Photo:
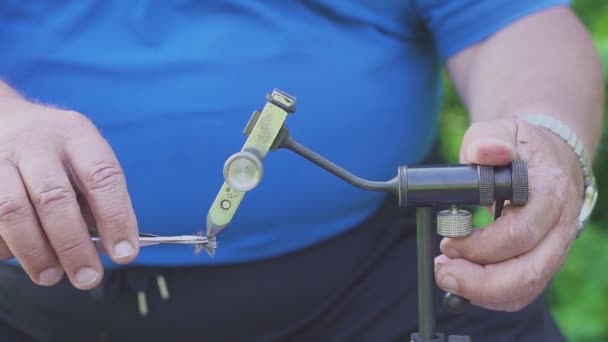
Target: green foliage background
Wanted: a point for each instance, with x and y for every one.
(579, 294)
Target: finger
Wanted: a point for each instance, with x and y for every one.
(100, 178)
(489, 143)
(5, 252)
(21, 232)
(509, 285)
(86, 212)
(518, 230)
(54, 200)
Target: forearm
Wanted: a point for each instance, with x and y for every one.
(544, 64)
(7, 91)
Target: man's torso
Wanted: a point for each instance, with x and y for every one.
(172, 84)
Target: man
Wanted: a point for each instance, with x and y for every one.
(119, 115)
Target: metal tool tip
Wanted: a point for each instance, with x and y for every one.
(213, 229)
(209, 246)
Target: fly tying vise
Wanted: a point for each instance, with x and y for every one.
(424, 187)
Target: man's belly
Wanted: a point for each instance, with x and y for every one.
(173, 96)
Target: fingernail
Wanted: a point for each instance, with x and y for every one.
(86, 276)
(491, 141)
(123, 249)
(450, 284)
(49, 276)
(438, 263)
(492, 148)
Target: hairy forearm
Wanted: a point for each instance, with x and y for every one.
(543, 64)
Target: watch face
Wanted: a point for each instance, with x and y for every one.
(589, 200)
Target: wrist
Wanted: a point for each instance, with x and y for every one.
(566, 135)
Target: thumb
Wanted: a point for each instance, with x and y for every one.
(489, 143)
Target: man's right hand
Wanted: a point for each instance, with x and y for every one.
(58, 178)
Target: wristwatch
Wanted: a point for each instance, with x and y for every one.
(565, 133)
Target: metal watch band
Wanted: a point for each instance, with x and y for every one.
(560, 129)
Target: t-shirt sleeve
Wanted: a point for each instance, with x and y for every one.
(457, 24)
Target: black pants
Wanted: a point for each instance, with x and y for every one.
(360, 286)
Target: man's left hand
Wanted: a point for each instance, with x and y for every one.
(508, 263)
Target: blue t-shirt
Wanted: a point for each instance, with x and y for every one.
(171, 85)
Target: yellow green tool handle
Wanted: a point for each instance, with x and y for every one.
(261, 131)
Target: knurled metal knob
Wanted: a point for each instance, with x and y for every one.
(486, 185)
(454, 223)
(519, 181)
